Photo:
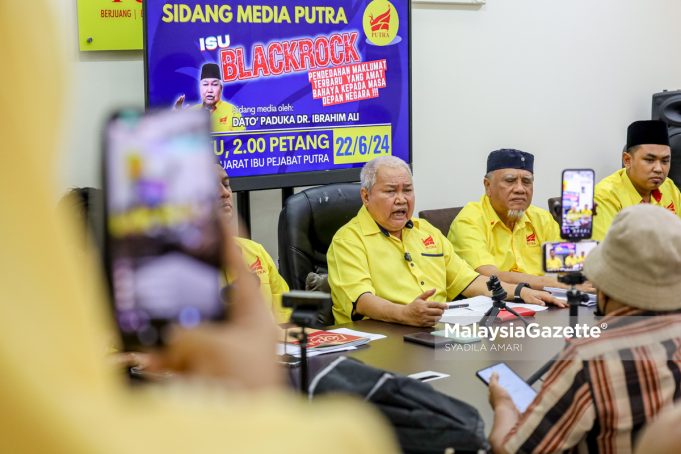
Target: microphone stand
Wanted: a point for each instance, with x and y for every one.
(498, 303)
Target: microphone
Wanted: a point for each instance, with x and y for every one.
(407, 257)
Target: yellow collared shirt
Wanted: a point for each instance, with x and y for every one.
(364, 258)
(615, 192)
(481, 238)
(272, 284)
(222, 116)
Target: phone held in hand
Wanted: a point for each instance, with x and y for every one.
(521, 393)
(163, 242)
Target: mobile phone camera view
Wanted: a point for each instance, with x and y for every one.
(566, 257)
(163, 232)
(577, 199)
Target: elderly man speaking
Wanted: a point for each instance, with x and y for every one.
(387, 266)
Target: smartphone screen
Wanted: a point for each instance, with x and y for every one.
(163, 244)
(577, 199)
(566, 256)
(521, 393)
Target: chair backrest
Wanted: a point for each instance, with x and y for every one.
(441, 218)
(555, 208)
(307, 224)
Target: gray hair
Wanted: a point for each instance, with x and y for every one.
(367, 176)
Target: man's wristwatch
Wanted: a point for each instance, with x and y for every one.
(518, 289)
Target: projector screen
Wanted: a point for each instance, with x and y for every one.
(300, 93)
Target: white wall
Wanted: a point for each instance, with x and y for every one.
(560, 79)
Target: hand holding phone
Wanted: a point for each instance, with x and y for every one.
(520, 392)
(163, 235)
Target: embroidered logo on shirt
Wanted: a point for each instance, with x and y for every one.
(671, 207)
(223, 120)
(531, 239)
(256, 266)
(429, 243)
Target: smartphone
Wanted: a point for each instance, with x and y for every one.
(577, 202)
(163, 238)
(428, 339)
(521, 393)
(566, 256)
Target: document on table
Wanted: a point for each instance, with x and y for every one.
(294, 350)
(477, 306)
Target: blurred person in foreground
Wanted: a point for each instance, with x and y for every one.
(602, 390)
(57, 393)
(386, 265)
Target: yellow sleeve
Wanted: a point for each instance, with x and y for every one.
(468, 239)
(278, 287)
(349, 275)
(459, 273)
(552, 230)
(607, 207)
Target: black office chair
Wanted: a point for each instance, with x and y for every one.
(555, 208)
(441, 218)
(307, 224)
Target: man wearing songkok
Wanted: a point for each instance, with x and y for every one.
(605, 387)
(502, 234)
(222, 113)
(387, 266)
(646, 159)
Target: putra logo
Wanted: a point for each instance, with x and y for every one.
(213, 42)
(380, 22)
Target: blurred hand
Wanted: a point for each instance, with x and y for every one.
(240, 351)
(179, 102)
(540, 298)
(421, 312)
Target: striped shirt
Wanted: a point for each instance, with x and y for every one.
(602, 391)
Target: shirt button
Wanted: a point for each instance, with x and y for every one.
(423, 283)
(412, 264)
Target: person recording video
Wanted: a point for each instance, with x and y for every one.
(602, 390)
(58, 392)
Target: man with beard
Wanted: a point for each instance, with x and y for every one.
(386, 265)
(502, 234)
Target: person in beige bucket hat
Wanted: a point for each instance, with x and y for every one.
(639, 262)
(603, 389)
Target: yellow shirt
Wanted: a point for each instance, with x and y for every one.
(221, 117)
(481, 238)
(616, 191)
(57, 390)
(571, 261)
(271, 282)
(554, 263)
(364, 258)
